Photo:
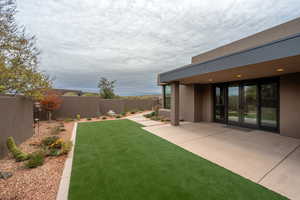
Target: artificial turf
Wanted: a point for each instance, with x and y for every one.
(118, 160)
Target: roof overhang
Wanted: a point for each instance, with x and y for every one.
(275, 50)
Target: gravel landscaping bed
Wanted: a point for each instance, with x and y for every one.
(38, 183)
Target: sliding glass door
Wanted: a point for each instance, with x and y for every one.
(234, 104)
(269, 105)
(249, 104)
(220, 104)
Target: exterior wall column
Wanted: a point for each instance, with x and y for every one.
(175, 103)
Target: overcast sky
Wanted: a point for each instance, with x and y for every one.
(132, 41)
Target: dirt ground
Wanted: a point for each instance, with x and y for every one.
(41, 182)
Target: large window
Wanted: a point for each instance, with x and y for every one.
(167, 96)
(253, 104)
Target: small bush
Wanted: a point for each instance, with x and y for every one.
(16, 152)
(57, 144)
(123, 113)
(54, 152)
(68, 120)
(98, 114)
(118, 116)
(152, 114)
(89, 118)
(78, 117)
(62, 129)
(49, 140)
(35, 159)
(104, 118)
(66, 147)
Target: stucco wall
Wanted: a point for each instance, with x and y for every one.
(16, 119)
(290, 105)
(195, 103)
(203, 103)
(187, 104)
(92, 106)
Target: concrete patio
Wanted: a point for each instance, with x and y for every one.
(265, 158)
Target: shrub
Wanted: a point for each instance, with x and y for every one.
(35, 159)
(68, 120)
(98, 114)
(78, 117)
(62, 129)
(66, 147)
(54, 152)
(16, 152)
(49, 140)
(104, 118)
(123, 113)
(118, 116)
(57, 144)
(152, 114)
(89, 118)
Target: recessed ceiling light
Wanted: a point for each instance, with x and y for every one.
(280, 70)
(239, 75)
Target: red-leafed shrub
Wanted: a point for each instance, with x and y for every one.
(50, 102)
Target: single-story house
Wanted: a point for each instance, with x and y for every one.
(253, 82)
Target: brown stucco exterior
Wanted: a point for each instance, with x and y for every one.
(93, 106)
(16, 120)
(290, 105)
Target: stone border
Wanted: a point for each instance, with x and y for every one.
(63, 190)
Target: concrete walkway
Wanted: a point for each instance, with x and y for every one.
(265, 158)
(139, 118)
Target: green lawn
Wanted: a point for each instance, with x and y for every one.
(119, 160)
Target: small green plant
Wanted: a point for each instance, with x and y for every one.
(152, 114)
(66, 147)
(35, 159)
(98, 114)
(55, 130)
(62, 129)
(16, 152)
(54, 152)
(89, 118)
(118, 116)
(78, 117)
(104, 118)
(49, 140)
(123, 113)
(68, 120)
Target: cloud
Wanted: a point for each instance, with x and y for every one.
(131, 41)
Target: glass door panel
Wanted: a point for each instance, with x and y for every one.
(233, 104)
(249, 105)
(269, 105)
(220, 104)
